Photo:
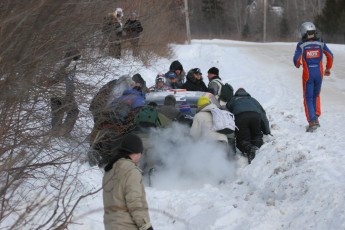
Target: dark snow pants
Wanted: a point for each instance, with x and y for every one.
(61, 106)
(249, 131)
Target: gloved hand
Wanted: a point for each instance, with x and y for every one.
(327, 72)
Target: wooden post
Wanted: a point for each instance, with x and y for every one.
(265, 20)
(186, 12)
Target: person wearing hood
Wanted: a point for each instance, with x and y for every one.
(203, 123)
(251, 121)
(139, 81)
(177, 68)
(194, 81)
(124, 196)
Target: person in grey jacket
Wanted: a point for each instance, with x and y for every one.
(251, 121)
(65, 109)
(124, 197)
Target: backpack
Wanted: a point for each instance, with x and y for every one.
(226, 92)
(147, 117)
(223, 121)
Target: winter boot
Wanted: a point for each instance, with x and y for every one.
(313, 125)
(251, 154)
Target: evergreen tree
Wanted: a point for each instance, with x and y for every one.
(328, 20)
(212, 8)
(341, 24)
(213, 11)
(245, 31)
(284, 28)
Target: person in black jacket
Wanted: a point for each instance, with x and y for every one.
(133, 28)
(194, 81)
(251, 121)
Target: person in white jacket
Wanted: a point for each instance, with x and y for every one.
(202, 126)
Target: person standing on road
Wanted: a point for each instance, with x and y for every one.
(309, 52)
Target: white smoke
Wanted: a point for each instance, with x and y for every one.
(182, 163)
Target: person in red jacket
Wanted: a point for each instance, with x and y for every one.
(309, 52)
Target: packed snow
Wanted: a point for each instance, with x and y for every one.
(296, 181)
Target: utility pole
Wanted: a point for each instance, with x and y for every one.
(265, 19)
(186, 12)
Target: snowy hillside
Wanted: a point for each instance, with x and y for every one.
(296, 181)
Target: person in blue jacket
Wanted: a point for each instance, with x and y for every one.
(309, 52)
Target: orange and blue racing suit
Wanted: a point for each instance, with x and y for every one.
(310, 54)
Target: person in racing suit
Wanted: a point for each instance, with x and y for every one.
(309, 52)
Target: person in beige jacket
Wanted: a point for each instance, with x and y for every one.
(124, 197)
(203, 122)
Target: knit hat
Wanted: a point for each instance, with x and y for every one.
(131, 144)
(203, 100)
(213, 70)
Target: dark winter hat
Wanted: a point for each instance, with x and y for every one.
(138, 79)
(131, 144)
(176, 65)
(170, 100)
(213, 70)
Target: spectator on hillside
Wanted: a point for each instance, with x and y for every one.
(251, 121)
(194, 81)
(309, 52)
(112, 33)
(133, 29)
(124, 197)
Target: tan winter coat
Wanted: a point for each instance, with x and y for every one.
(124, 198)
(202, 125)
